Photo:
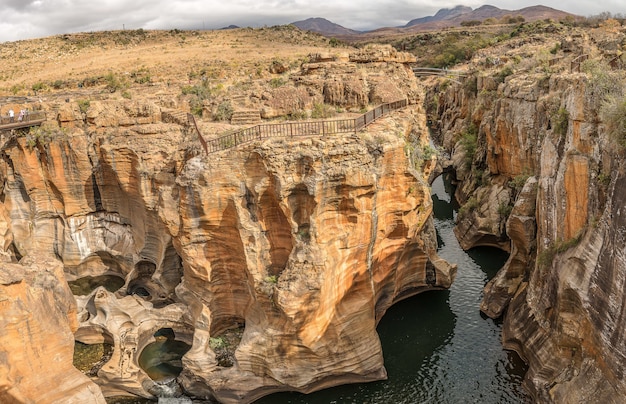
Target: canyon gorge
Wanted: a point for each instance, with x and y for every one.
(270, 264)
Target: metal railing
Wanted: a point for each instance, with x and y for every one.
(31, 118)
(454, 75)
(291, 129)
(575, 64)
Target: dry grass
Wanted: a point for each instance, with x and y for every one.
(60, 63)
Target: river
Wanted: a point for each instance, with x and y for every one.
(437, 346)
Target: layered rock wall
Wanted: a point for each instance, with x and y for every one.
(561, 291)
(274, 261)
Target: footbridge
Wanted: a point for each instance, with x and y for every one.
(454, 75)
(292, 129)
(31, 118)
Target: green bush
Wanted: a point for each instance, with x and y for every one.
(549, 253)
(602, 84)
(517, 183)
(277, 82)
(217, 343)
(224, 111)
(39, 86)
(504, 209)
(613, 115)
(83, 105)
(560, 122)
(469, 206)
(321, 110)
(503, 74)
(469, 143)
(298, 115)
(114, 83)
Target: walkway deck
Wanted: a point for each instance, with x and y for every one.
(31, 119)
(291, 129)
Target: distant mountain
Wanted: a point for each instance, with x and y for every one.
(454, 17)
(231, 27)
(444, 18)
(324, 27)
(443, 14)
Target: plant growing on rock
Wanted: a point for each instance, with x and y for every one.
(224, 111)
(113, 83)
(83, 105)
(321, 110)
(613, 114)
(603, 83)
(560, 122)
(42, 135)
(469, 206)
(469, 143)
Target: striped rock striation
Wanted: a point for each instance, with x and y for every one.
(541, 139)
(274, 261)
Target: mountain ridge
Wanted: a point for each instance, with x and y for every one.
(444, 18)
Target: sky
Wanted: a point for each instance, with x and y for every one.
(25, 19)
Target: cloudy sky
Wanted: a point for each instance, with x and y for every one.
(23, 19)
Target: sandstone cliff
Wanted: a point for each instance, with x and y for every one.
(274, 261)
(36, 340)
(530, 144)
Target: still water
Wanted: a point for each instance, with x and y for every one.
(437, 347)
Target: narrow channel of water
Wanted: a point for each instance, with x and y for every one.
(437, 347)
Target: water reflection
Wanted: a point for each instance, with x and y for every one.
(162, 359)
(86, 285)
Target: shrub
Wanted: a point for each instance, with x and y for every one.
(603, 83)
(334, 42)
(469, 143)
(83, 105)
(613, 114)
(560, 122)
(42, 135)
(504, 209)
(469, 206)
(113, 83)
(503, 74)
(298, 115)
(277, 82)
(38, 86)
(517, 183)
(321, 110)
(224, 111)
(549, 253)
(471, 23)
(217, 343)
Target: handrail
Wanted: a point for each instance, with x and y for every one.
(437, 71)
(31, 118)
(575, 64)
(291, 129)
(433, 71)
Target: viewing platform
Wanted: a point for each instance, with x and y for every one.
(32, 118)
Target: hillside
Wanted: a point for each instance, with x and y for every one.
(324, 27)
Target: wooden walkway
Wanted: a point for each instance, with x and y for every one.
(33, 118)
(454, 75)
(291, 129)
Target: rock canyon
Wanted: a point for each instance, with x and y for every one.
(270, 264)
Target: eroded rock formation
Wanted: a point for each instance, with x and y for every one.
(36, 337)
(296, 247)
(561, 292)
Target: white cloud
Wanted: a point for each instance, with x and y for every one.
(35, 18)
